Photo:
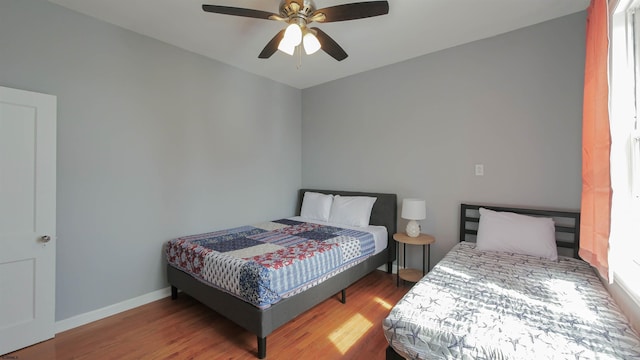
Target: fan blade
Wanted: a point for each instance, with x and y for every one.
(272, 46)
(329, 45)
(228, 10)
(351, 11)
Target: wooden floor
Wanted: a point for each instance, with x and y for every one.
(185, 329)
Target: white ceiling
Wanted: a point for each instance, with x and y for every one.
(412, 28)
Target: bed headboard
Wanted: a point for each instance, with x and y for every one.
(567, 223)
(384, 212)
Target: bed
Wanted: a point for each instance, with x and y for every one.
(262, 312)
(484, 304)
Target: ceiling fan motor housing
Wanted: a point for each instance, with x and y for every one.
(297, 11)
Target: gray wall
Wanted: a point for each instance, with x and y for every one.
(512, 102)
(153, 143)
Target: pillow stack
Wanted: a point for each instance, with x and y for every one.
(337, 209)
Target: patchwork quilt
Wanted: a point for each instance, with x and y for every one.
(266, 262)
(489, 305)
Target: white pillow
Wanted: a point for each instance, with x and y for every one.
(509, 232)
(351, 210)
(316, 206)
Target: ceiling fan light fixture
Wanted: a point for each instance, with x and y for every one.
(298, 14)
(311, 43)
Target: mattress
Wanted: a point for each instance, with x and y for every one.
(264, 263)
(490, 305)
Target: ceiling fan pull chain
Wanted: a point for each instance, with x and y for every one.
(299, 50)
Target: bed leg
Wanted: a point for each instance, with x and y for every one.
(262, 347)
(390, 267)
(344, 296)
(174, 292)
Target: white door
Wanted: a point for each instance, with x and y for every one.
(27, 218)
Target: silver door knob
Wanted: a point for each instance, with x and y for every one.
(45, 238)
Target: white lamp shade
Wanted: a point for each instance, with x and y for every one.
(286, 47)
(414, 209)
(293, 34)
(311, 43)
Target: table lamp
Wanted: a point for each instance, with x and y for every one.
(412, 210)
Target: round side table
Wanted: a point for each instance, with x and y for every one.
(413, 275)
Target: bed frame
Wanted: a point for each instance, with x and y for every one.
(567, 225)
(262, 322)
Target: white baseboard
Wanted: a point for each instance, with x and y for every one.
(91, 316)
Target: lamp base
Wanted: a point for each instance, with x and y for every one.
(413, 228)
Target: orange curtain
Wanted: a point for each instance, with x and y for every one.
(596, 142)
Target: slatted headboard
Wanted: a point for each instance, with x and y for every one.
(567, 223)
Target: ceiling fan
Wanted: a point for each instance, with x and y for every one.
(299, 14)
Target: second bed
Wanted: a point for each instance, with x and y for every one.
(487, 304)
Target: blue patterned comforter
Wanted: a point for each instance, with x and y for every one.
(266, 262)
(489, 305)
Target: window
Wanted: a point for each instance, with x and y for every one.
(624, 252)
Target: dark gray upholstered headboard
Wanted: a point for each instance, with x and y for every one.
(384, 213)
(567, 223)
